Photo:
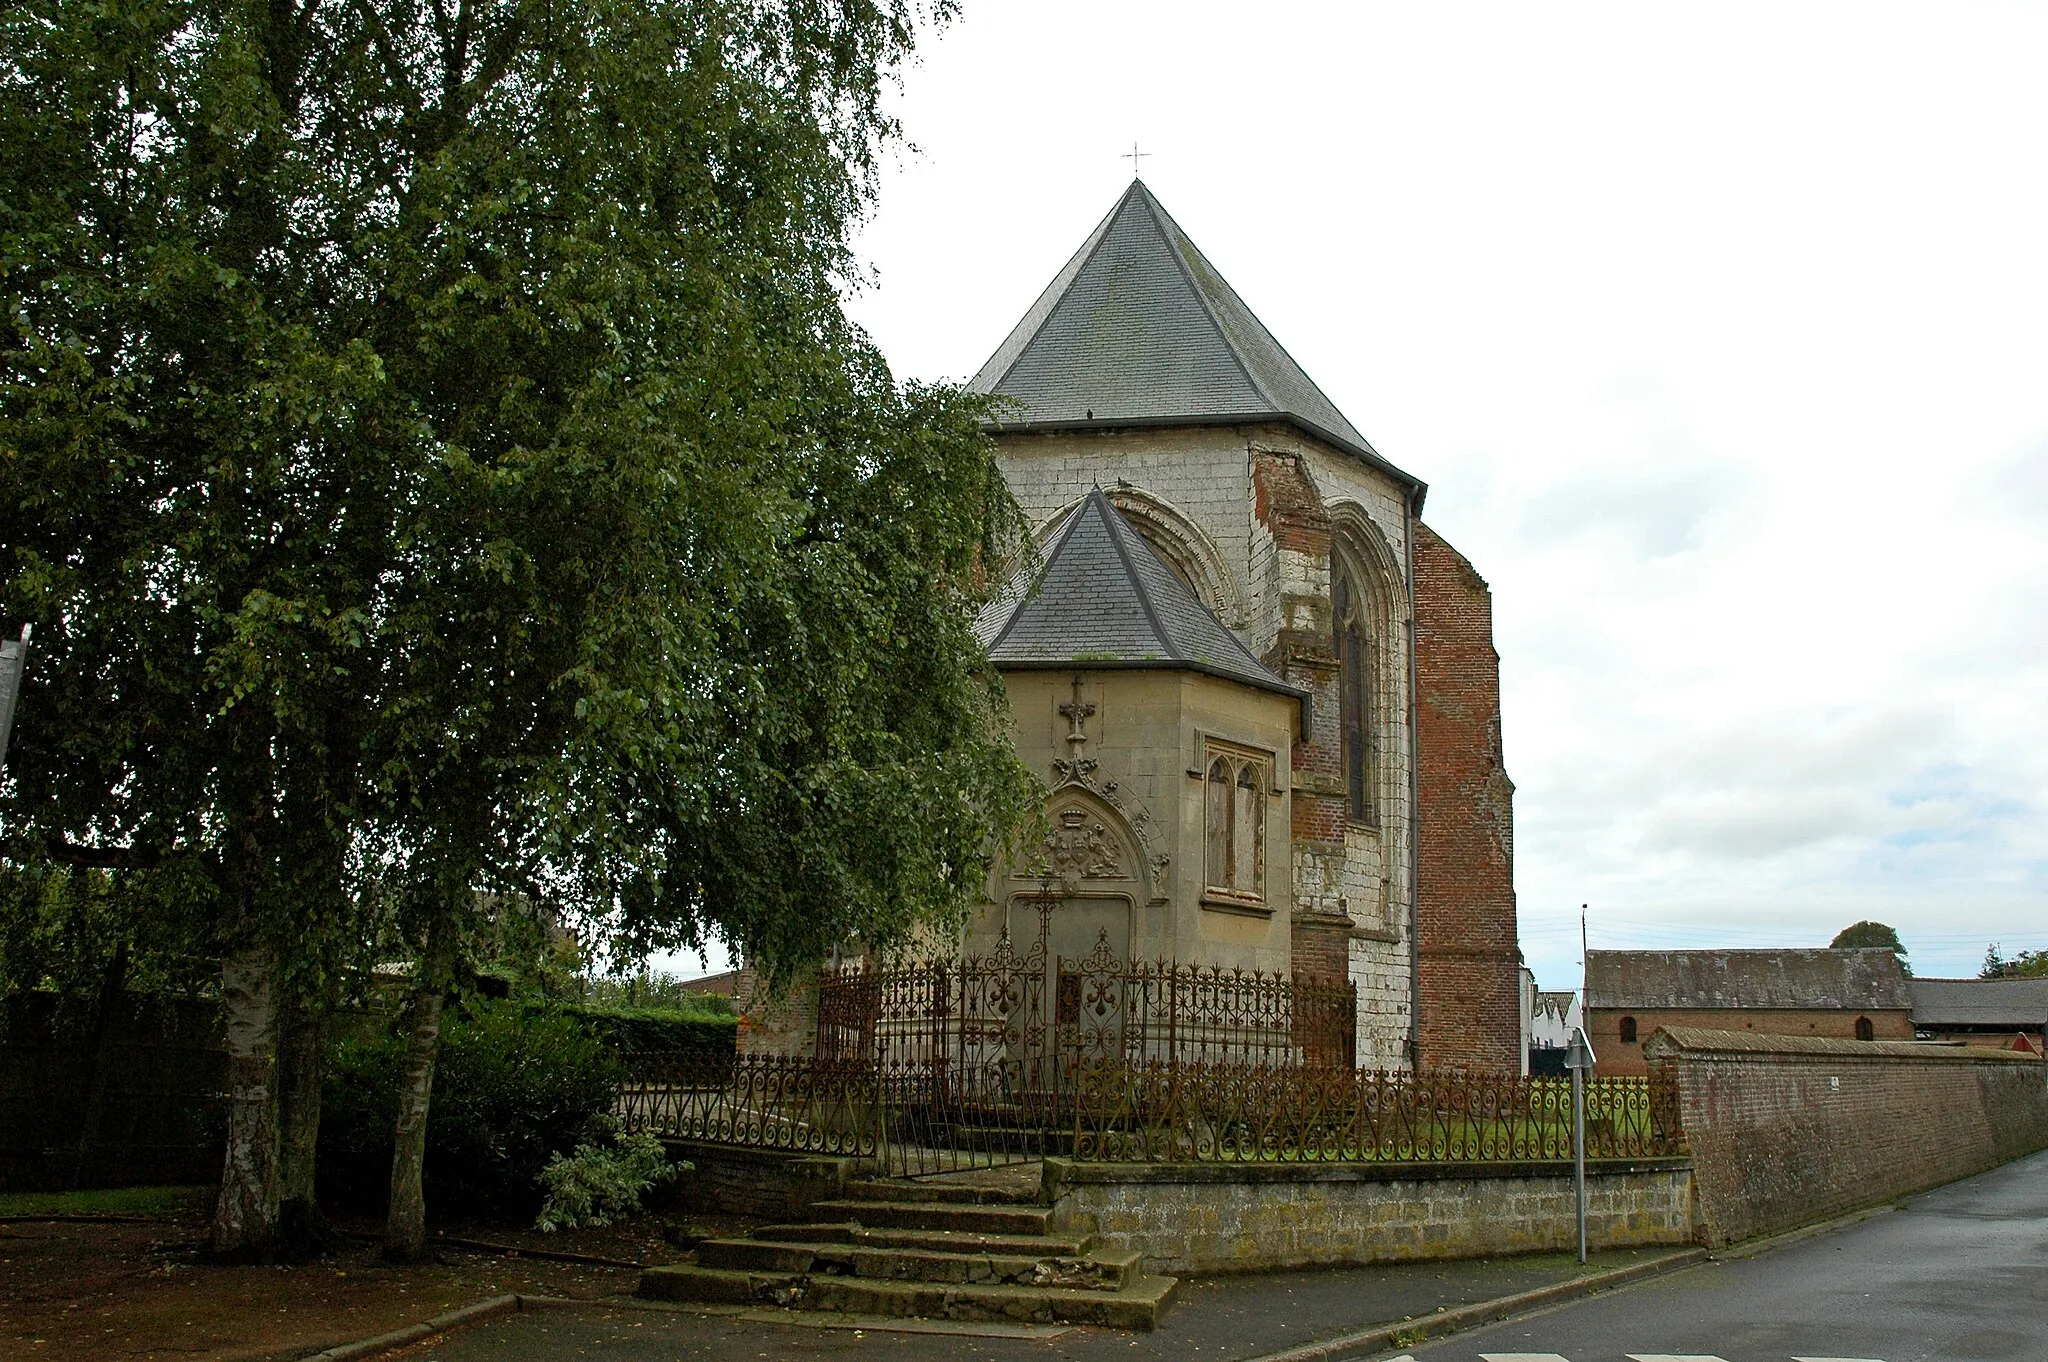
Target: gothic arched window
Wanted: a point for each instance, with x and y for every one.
(1357, 648)
(1234, 821)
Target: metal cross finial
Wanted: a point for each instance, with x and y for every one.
(1132, 156)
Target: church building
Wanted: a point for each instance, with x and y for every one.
(1263, 692)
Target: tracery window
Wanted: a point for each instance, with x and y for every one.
(1235, 827)
(1357, 648)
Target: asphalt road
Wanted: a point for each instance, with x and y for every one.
(1959, 1273)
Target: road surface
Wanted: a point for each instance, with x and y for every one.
(1959, 1273)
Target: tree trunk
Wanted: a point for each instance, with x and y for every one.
(245, 1213)
(301, 1226)
(405, 1223)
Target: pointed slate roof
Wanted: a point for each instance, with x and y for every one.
(1140, 329)
(1102, 597)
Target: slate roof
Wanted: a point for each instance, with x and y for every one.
(1101, 597)
(1139, 329)
(1865, 980)
(2005, 1004)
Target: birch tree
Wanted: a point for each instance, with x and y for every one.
(434, 448)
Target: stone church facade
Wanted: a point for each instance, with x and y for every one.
(1139, 371)
(1262, 692)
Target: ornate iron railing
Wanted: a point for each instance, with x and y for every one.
(1002, 1057)
(925, 1117)
(1223, 1113)
(754, 1101)
(1039, 1015)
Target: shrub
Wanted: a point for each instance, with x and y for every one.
(514, 1085)
(597, 1185)
(659, 1028)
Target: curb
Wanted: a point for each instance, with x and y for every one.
(1750, 1248)
(1409, 1332)
(439, 1324)
(505, 1250)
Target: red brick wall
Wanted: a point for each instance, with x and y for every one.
(1617, 1058)
(1788, 1130)
(1286, 502)
(1468, 991)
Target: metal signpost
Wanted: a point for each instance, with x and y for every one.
(1578, 1057)
(13, 657)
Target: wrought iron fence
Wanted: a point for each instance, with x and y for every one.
(1003, 1057)
(1222, 1113)
(1040, 1016)
(917, 1118)
(754, 1101)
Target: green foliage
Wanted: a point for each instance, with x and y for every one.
(433, 445)
(435, 459)
(77, 932)
(658, 1028)
(2025, 965)
(651, 988)
(515, 1085)
(597, 1185)
(1871, 934)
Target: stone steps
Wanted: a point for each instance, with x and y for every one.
(923, 1250)
(1139, 1305)
(1090, 1272)
(943, 1241)
(926, 1193)
(911, 1215)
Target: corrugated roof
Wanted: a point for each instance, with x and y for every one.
(1863, 980)
(2004, 1003)
(1138, 328)
(1102, 597)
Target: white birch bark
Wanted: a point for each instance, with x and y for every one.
(405, 1223)
(245, 1213)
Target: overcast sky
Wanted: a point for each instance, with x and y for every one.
(1720, 334)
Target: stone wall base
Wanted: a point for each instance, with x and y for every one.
(1210, 1218)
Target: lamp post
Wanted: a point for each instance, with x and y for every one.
(13, 659)
(1578, 1058)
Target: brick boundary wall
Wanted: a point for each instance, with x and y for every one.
(1468, 994)
(1210, 1218)
(1788, 1130)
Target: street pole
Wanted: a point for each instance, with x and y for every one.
(1578, 1058)
(13, 660)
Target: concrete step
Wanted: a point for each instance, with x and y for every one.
(943, 1241)
(908, 1215)
(1139, 1305)
(1088, 1272)
(929, 1192)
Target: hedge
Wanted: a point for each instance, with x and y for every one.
(658, 1028)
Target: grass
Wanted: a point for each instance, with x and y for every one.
(164, 1201)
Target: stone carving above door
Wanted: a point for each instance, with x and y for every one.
(1082, 847)
(1097, 834)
